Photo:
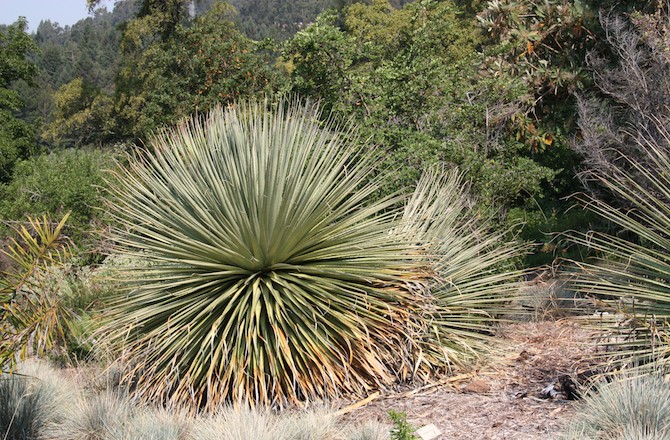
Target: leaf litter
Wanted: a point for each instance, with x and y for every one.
(503, 398)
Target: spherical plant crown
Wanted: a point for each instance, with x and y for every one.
(268, 275)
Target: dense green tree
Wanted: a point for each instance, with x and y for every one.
(408, 77)
(16, 136)
(221, 64)
(165, 76)
(276, 18)
(89, 51)
(81, 116)
(543, 46)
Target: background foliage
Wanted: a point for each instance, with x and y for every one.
(16, 135)
(489, 87)
(56, 183)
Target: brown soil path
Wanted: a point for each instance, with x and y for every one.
(502, 400)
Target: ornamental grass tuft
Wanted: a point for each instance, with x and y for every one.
(627, 409)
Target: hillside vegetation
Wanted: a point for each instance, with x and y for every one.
(267, 202)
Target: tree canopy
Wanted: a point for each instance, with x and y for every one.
(16, 135)
(502, 90)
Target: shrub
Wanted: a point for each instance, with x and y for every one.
(83, 292)
(310, 424)
(625, 140)
(32, 317)
(402, 429)
(56, 183)
(245, 422)
(632, 104)
(158, 424)
(627, 409)
(50, 307)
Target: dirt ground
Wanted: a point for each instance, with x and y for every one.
(503, 399)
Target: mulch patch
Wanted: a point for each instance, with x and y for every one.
(503, 398)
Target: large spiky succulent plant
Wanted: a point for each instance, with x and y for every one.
(268, 274)
(272, 272)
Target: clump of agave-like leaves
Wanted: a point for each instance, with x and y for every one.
(471, 278)
(273, 272)
(630, 278)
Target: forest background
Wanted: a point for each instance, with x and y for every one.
(521, 96)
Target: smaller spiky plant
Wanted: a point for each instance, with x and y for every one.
(32, 315)
(630, 278)
(626, 409)
(469, 283)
